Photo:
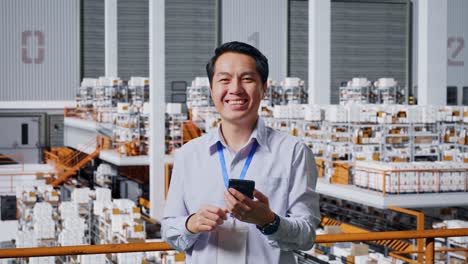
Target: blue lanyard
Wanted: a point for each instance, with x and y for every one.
(223, 162)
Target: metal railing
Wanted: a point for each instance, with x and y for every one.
(419, 226)
(428, 251)
(16, 168)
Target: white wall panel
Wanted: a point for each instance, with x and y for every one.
(457, 43)
(16, 141)
(261, 23)
(39, 50)
(432, 52)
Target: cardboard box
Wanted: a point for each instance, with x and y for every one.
(359, 249)
(332, 230)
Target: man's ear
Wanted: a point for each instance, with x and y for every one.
(264, 89)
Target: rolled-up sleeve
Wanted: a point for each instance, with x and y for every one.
(173, 228)
(297, 228)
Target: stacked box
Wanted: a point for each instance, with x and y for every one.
(462, 241)
(101, 208)
(42, 260)
(341, 173)
(81, 195)
(92, 259)
(320, 167)
(44, 228)
(26, 239)
(313, 113)
(449, 114)
(361, 114)
(336, 114)
(412, 177)
(294, 111)
(26, 194)
(68, 210)
(131, 258)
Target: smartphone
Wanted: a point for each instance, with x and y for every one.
(246, 187)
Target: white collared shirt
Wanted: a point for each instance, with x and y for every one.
(283, 169)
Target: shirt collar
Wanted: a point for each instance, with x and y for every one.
(259, 134)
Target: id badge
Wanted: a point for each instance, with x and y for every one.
(232, 243)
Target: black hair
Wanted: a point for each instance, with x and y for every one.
(261, 62)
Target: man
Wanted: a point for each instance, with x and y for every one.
(214, 224)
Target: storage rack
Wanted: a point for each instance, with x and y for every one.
(274, 95)
(338, 159)
(362, 91)
(449, 147)
(198, 94)
(144, 126)
(358, 94)
(396, 145)
(138, 92)
(85, 211)
(425, 142)
(84, 98)
(392, 133)
(314, 137)
(389, 92)
(127, 131)
(294, 91)
(174, 131)
(366, 139)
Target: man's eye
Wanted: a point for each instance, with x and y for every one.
(224, 80)
(248, 79)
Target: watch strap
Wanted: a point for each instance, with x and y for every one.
(270, 228)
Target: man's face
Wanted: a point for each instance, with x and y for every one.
(237, 88)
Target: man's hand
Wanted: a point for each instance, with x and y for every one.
(206, 219)
(247, 210)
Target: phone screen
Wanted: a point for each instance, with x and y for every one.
(246, 187)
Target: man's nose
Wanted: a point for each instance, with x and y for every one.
(235, 87)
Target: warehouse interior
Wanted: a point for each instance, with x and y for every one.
(98, 95)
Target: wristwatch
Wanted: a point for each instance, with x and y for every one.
(270, 228)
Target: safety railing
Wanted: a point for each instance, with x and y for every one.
(70, 164)
(75, 157)
(428, 251)
(50, 157)
(419, 226)
(15, 168)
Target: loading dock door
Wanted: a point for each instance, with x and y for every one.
(20, 136)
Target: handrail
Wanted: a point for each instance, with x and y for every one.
(71, 171)
(83, 250)
(49, 156)
(88, 145)
(160, 246)
(356, 237)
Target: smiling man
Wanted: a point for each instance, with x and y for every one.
(216, 224)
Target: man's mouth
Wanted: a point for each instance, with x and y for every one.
(236, 102)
